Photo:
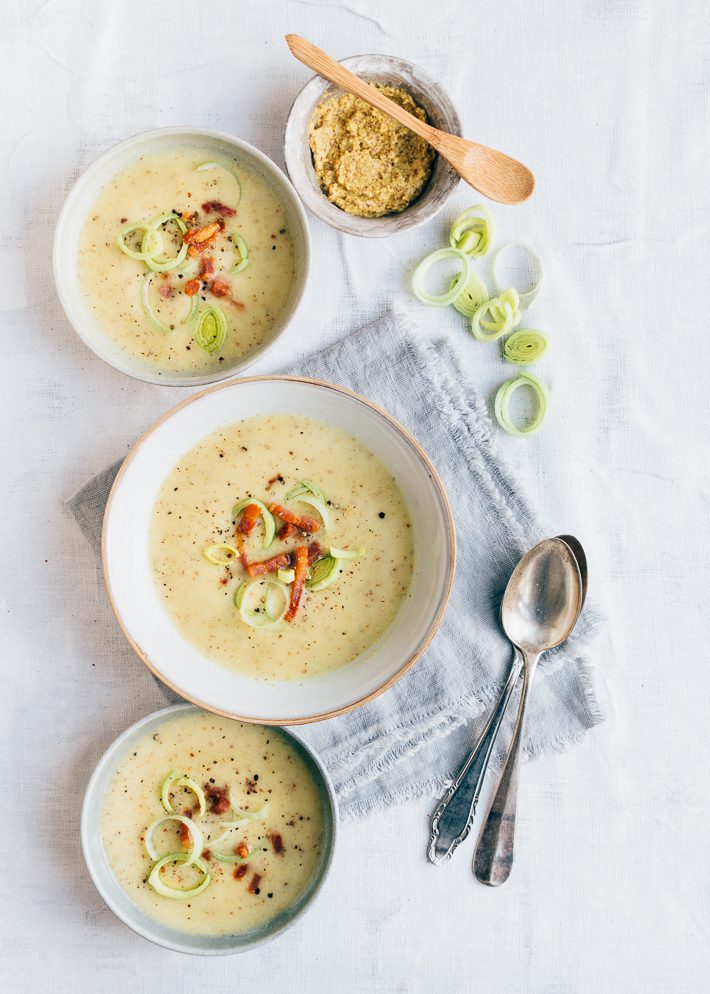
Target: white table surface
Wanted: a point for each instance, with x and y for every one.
(608, 101)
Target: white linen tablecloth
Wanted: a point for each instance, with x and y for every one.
(608, 101)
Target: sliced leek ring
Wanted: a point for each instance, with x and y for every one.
(455, 287)
(266, 516)
(211, 331)
(348, 553)
(529, 293)
(166, 265)
(286, 575)
(320, 506)
(471, 297)
(175, 893)
(242, 251)
(504, 315)
(305, 487)
(501, 405)
(272, 613)
(525, 346)
(323, 572)
(220, 554)
(195, 833)
(178, 779)
(472, 232)
(204, 166)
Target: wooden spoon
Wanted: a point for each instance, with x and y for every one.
(492, 173)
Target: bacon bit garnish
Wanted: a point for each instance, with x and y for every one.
(281, 561)
(197, 236)
(217, 798)
(183, 830)
(287, 531)
(238, 304)
(314, 551)
(276, 843)
(250, 516)
(216, 207)
(165, 291)
(253, 887)
(188, 216)
(239, 540)
(299, 580)
(224, 580)
(242, 850)
(206, 854)
(240, 871)
(302, 522)
(273, 480)
(192, 287)
(206, 267)
(220, 288)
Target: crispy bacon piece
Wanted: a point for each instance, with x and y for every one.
(217, 207)
(206, 267)
(242, 850)
(314, 551)
(206, 854)
(276, 843)
(250, 516)
(220, 288)
(217, 798)
(199, 238)
(287, 531)
(165, 291)
(301, 570)
(183, 830)
(192, 287)
(239, 541)
(280, 561)
(240, 871)
(302, 522)
(253, 887)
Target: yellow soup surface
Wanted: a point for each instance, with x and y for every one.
(265, 458)
(256, 768)
(114, 284)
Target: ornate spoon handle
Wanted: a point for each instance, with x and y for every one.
(493, 859)
(452, 820)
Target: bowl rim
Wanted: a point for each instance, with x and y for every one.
(96, 167)
(350, 221)
(88, 827)
(449, 528)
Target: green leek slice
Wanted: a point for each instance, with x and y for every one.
(233, 857)
(348, 553)
(204, 166)
(527, 295)
(455, 287)
(318, 505)
(243, 252)
(151, 242)
(504, 315)
(195, 833)
(173, 892)
(211, 331)
(166, 265)
(271, 614)
(179, 779)
(501, 405)
(306, 487)
(220, 554)
(471, 297)
(323, 572)
(244, 818)
(472, 232)
(525, 346)
(266, 516)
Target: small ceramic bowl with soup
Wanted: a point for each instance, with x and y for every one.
(207, 835)
(181, 256)
(278, 549)
(358, 170)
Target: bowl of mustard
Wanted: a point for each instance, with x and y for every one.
(357, 169)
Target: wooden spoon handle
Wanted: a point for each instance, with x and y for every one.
(312, 56)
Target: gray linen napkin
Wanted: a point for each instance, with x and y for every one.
(412, 739)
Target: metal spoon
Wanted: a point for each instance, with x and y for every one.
(492, 173)
(539, 611)
(453, 818)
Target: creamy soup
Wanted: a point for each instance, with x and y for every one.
(239, 262)
(340, 613)
(261, 831)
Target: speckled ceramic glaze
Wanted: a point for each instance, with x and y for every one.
(392, 72)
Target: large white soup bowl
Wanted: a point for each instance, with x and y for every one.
(141, 611)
